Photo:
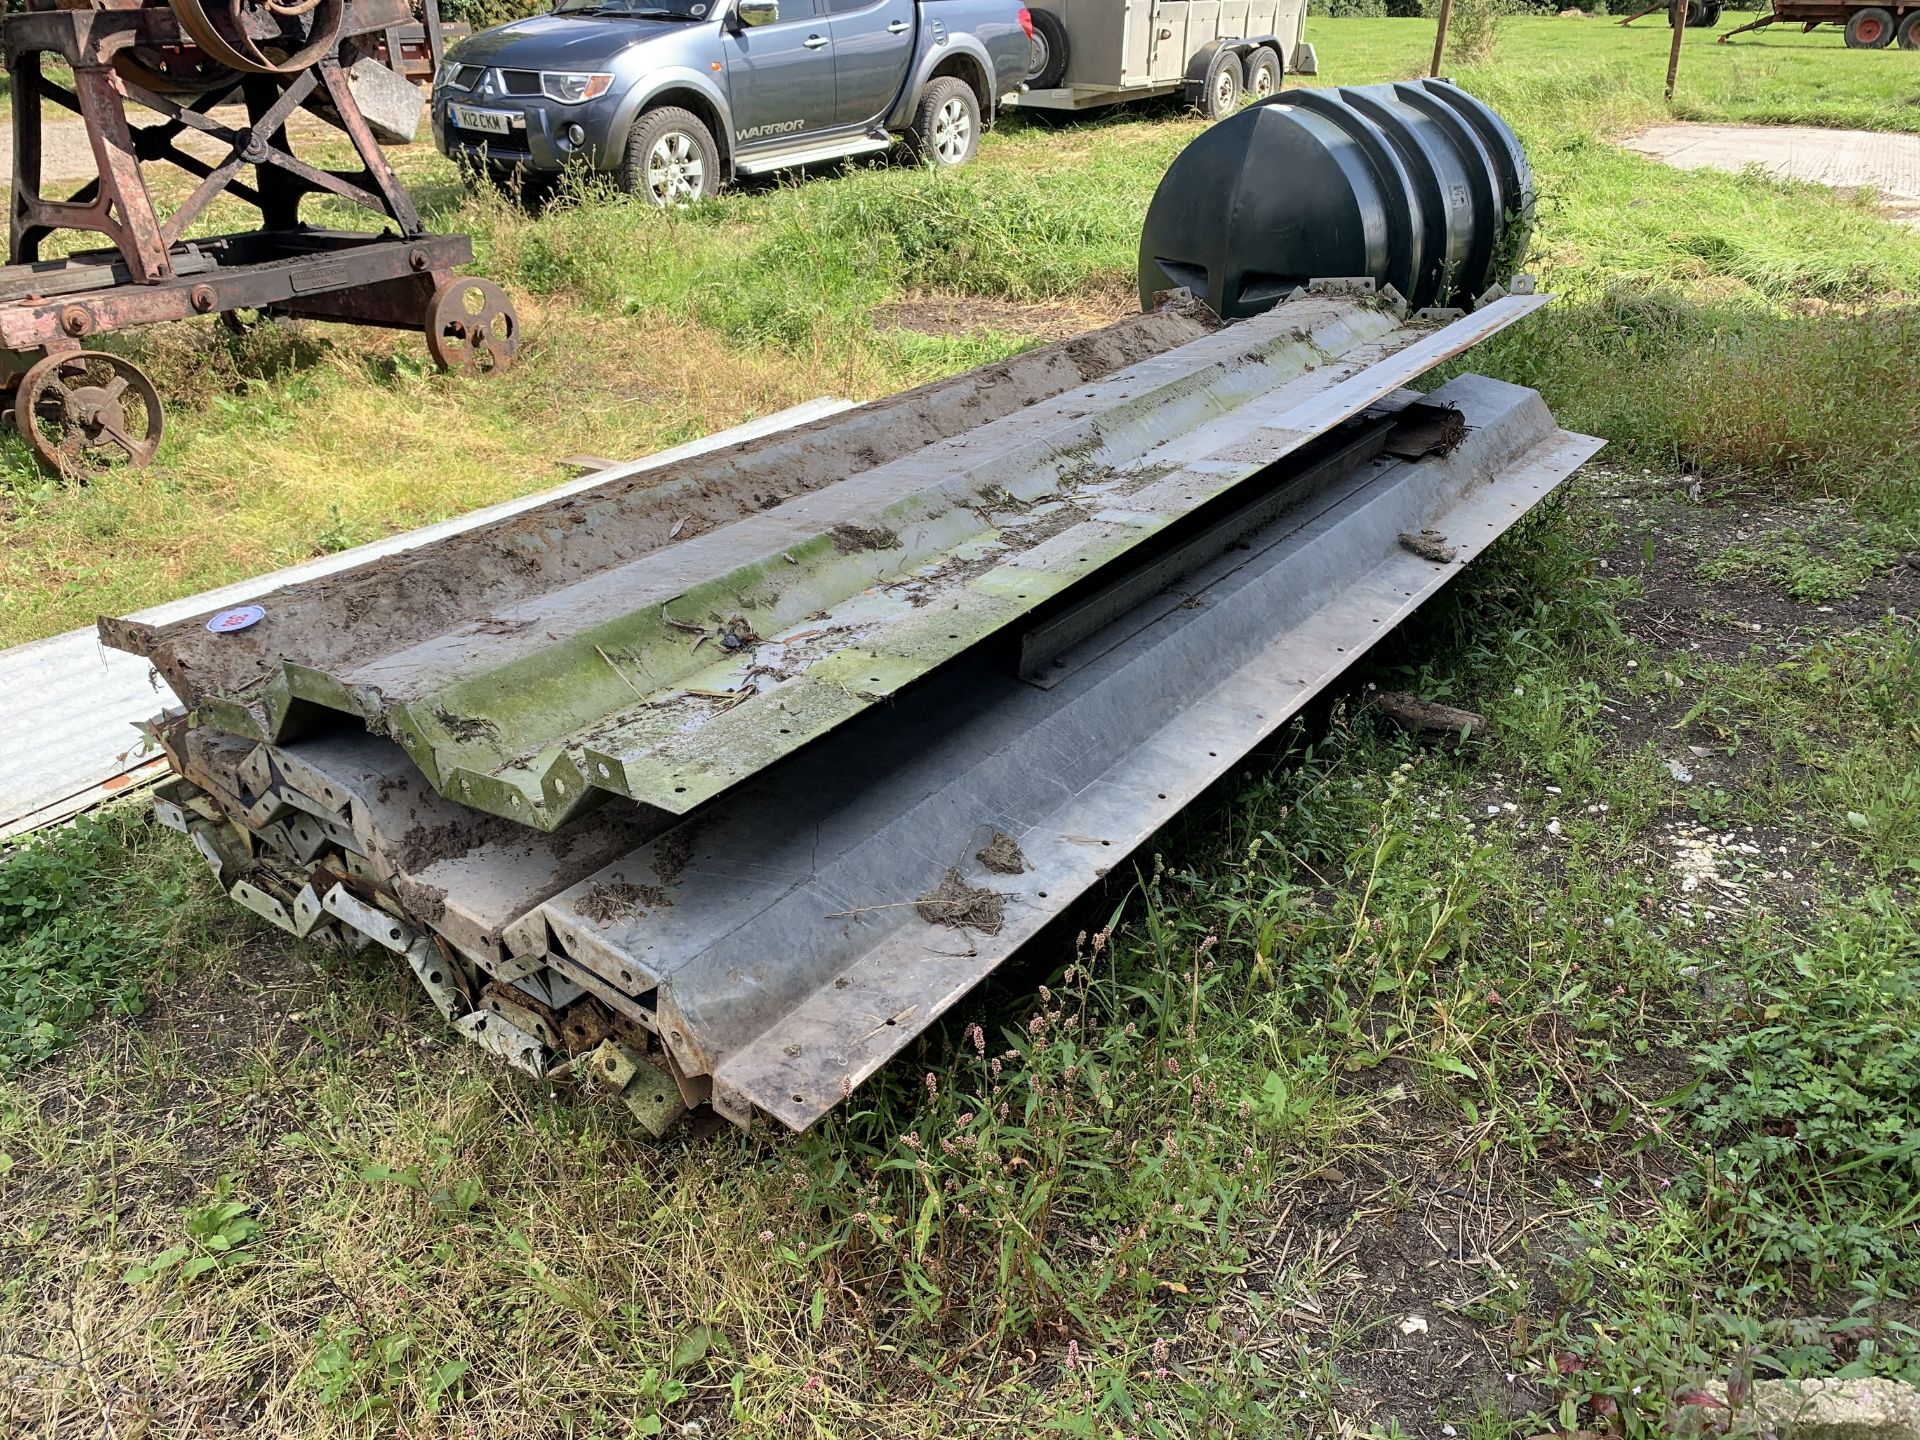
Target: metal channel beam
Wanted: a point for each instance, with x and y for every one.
(784, 941)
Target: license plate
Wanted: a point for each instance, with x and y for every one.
(490, 122)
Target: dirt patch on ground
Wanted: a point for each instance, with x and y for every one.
(1434, 1266)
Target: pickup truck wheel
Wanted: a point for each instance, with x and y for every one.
(946, 126)
(671, 158)
(1263, 72)
(1049, 64)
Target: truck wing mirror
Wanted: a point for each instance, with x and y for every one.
(750, 13)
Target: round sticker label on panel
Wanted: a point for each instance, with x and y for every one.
(227, 621)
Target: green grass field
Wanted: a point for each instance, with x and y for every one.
(1514, 1089)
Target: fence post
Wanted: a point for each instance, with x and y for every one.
(1440, 37)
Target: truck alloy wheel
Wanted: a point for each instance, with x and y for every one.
(671, 158)
(946, 127)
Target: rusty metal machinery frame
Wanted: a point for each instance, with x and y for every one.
(186, 62)
(117, 203)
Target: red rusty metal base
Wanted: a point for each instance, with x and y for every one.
(59, 307)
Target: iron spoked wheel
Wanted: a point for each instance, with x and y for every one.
(472, 328)
(229, 40)
(86, 410)
(173, 71)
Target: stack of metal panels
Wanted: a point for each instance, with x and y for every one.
(718, 786)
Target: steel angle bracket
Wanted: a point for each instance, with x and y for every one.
(434, 974)
(308, 912)
(371, 921)
(794, 956)
(169, 805)
(267, 906)
(508, 1041)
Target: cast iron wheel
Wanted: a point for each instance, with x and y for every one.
(1221, 95)
(471, 327)
(85, 410)
(671, 158)
(946, 127)
(1264, 72)
(1710, 14)
(1050, 54)
(1910, 31)
(1870, 29)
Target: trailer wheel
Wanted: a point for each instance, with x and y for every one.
(1870, 29)
(1910, 31)
(1050, 52)
(1264, 72)
(1220, 96)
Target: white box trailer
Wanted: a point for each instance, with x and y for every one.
(1088, 53)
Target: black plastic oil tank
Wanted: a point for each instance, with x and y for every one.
(1416, 184)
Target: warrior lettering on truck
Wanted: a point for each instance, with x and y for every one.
(674, 98)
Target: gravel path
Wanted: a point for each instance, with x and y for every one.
(1844, 159)
(64, 151)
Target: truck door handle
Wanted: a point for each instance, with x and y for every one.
(898, 27)
(814, 42)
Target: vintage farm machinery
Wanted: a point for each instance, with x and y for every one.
(225, 78)
(717, 785)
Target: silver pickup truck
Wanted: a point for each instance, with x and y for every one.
(676, 97)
